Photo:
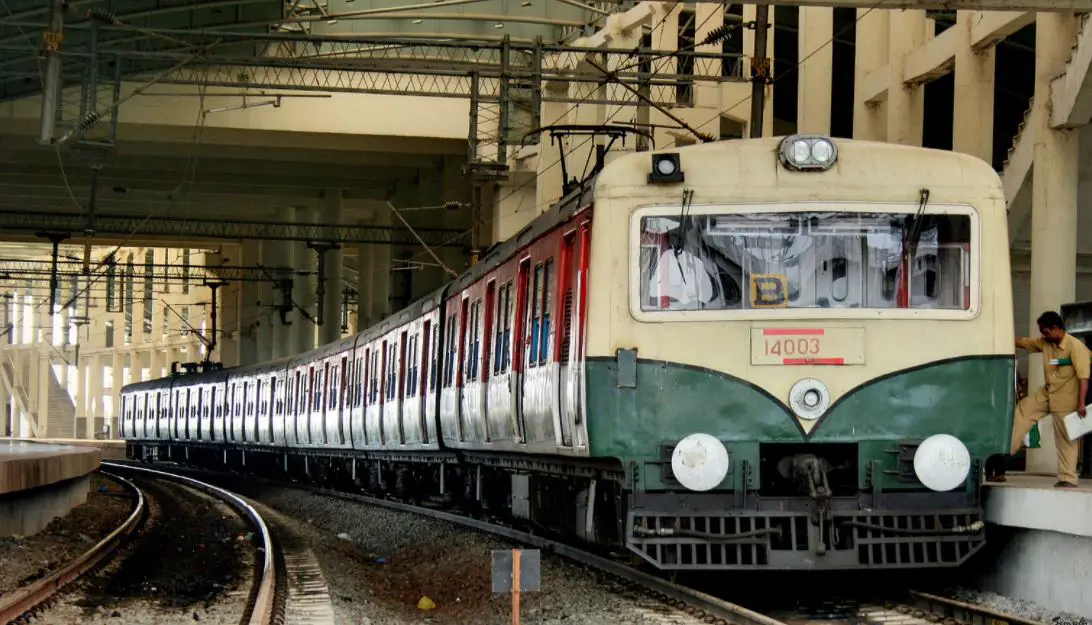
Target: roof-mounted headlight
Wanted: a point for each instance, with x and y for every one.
(808, 152)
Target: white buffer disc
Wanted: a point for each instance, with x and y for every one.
(942, 462)
(699, 462)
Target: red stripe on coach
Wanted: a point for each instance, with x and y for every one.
(814, 361)
(793, 332)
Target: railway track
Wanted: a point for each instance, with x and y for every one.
(905, 608)
(265, 604)
(25, 599)
(267, 597)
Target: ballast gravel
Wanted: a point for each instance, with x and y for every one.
(1018, 607)
(380, 564)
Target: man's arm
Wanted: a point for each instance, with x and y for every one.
(1029, 344)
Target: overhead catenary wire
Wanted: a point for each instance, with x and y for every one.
(799, 63)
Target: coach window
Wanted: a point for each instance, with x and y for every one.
(392, 371)
(547, 308)
(834, 259)
(412, 366)
(449, 356)
(331, 387)
(434, 357)
(473, 340)
(534, 312)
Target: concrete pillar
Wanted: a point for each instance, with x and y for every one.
(83, 398)
(268, 252)
(95, 392)
(905, 103)
(871, 54)
(249, 319)
(41, 386)
(364, 284)
(283, 343)
(118, 366)
(304, 290)
(330, 330)
(1054, 205)
(972, 118)
(816, 75)
(548, 183)
(380, 274)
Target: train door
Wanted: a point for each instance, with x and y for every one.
(523, 344)
(272, 409)
(344, 398)
(422, 363)
(567, 356)
(401, 400)
(200, 413)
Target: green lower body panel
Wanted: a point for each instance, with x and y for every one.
(844, 495)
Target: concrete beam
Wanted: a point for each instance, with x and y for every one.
(933, 60)
(874, 86)
(1042, 6)
(168, 180)
(1071, 93)
(994, 26)
(937, 57)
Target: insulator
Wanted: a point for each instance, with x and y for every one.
(102, 15)
(89, 121)
(718, 34)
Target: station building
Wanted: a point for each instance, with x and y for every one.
(342, 147)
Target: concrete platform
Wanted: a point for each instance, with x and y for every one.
(1047, 534)
(110, 449)
(39, 482)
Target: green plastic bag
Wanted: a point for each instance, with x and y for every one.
(1031, 439)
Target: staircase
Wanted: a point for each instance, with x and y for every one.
(61, 421)
(13, 379)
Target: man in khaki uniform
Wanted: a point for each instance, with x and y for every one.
(1066, 364)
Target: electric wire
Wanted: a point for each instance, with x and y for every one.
(799, 63)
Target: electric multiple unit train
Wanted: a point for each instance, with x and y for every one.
(780, 353)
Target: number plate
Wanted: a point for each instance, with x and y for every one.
(807, 346)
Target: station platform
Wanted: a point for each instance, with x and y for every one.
(1047, 541)
(39, 482)
(111, 449)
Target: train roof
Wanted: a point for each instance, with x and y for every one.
(752, 165)
(501, 252)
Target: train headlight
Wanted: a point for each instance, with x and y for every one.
(666, 168)
(699, 462)
(942, 462)
(808, 152)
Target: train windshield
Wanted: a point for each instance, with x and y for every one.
(805, 260)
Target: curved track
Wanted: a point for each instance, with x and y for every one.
(34, 594)
(267, 600)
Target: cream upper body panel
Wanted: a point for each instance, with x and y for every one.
(744, 175)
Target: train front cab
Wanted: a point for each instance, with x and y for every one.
(782, 388)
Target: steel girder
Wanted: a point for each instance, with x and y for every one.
(226, 229)
(30, 269)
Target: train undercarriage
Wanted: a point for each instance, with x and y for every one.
(805, 521)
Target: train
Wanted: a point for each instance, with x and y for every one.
(785, 353)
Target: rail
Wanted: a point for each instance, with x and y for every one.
(264, 608)
(964, 612)
(30, 596)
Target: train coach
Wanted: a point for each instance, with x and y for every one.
(785, 353)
